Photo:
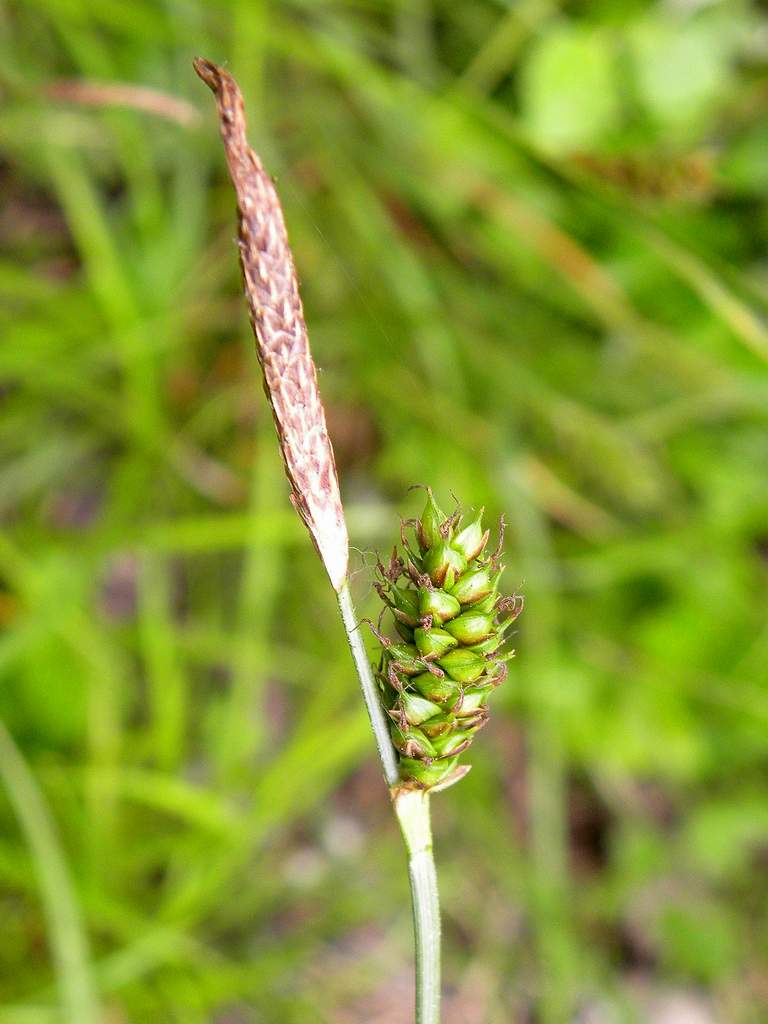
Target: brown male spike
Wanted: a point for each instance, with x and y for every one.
(277, 318)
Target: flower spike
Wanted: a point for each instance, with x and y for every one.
(435, 687)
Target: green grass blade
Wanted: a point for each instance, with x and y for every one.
(67, 936)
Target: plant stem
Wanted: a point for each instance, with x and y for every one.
(412, 810)
(368, 686)
(290, 379)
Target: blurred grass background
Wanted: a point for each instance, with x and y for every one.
(531, 238)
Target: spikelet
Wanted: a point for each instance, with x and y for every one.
(277, 318)
(435, 679)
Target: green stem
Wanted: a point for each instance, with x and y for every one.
(369, 688)
(412, 810)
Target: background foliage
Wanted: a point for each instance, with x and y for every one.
(531, 237)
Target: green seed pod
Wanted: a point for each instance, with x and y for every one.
(405, 605)
(436, 685)
(440, 724)
(405, 658)
(471, 627)
(411, 742)
(440, 689)
(473, 586)
(470, 701)
(488, 646)
(443, 564)
(435, 642)
(453, 743)
(428, 529)
(428, 775)
(462, 665)
(418, 709)
(471, 540)
(438, 604)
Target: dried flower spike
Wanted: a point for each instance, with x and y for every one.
(436, 679)
(277, 318)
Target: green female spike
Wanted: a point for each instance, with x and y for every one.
(436, 686)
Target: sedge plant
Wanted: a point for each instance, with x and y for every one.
(427, 695)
